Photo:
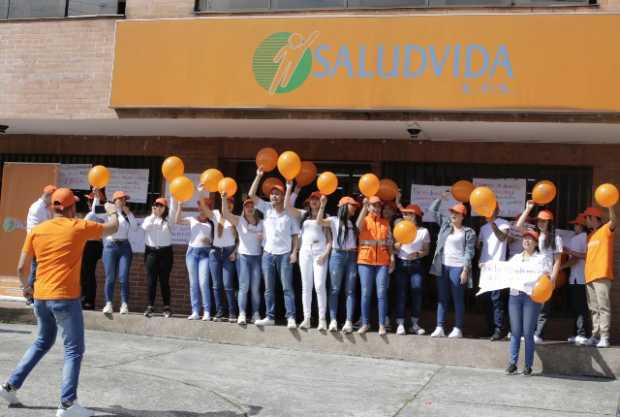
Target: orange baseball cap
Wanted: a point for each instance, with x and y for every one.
(532, 233)
(348, 200)
(314, 194)
(49, 189)
(593, 211)
(162, 201)
(120, 194)
(248, 201)
(277, 187)
(580, 219)
(64, 198)
(459, 208)
(545, 215)
(413, 208)
(374, 200)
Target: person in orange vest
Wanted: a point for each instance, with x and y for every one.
(375, 259)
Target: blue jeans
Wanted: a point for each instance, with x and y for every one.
(496, 311)
(223, 269)
(249, 277)
(449, 283)
(523, 317)
(273, 265)
(369, 274)
(342, 264)
(33, 272)
(409, 278)
(116, 261)
(197, 262)
(66, 314)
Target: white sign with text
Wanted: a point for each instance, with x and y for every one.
(510, 193)
(424, 195)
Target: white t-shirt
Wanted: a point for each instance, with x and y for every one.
(250, 237)
(422, 236)
(454, 249)
(350, 240)
(549, 252)
(312, 235)
(279, 229)
(125, 225)
(227, 239)
(157, 231)
(493, 249)
(545, 266)
(578, 243)
(200, 233)
(37, 214)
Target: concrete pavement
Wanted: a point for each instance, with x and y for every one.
(139, 376)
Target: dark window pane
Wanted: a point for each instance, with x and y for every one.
(92, 7)
(36, 8)
(307, 4)
(4, 9)
(223, 5)
(386, 3)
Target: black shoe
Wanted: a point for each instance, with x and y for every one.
(232, 319)
(497, 335)
(527, 371)
(512, 369)
(148, 312)
(219, 318)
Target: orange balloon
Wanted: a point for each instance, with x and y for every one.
(172, 167)
(210, 179)
(98, 176)
(182, 188)
(483, 201)
(543, 289)
(461, 190)
(387, 189)
(289, 165)
(267, 158)
(544, 192)
(269, 183)
(405, 232)
(606, 195)
(369, 184)
(307, 174)
(227, 185)
(327, 183)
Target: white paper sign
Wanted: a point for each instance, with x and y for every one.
(180, 236)
(134, 182)
(510, 193)
(497, 275)
(193, 203)
(424, 195)
(74, 176)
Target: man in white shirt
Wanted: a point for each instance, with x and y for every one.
(493, 245)
(577, 300)
(281, 244)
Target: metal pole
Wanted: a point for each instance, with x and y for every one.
(66, 8)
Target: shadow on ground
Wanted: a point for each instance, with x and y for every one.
(118, 411)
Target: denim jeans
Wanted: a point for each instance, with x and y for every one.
(223, 272)
(66, 314)
(369, 275)
(249, 278)
(523, 315)
(197, 262)
(579, 307)
(342, 264)
(496, 310)
(272, 266)
(32, 276)
(117, 261)
(409, 279)
(449, 284)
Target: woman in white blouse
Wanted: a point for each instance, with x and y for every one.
(158, 254)
(197, 257)
(250, 231)
(117, 254)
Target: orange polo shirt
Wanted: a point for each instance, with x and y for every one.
(600, 254)
(374, 228)
(58, 245)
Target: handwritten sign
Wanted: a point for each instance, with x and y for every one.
(497, 275)
(134, 182)
(424, 195)
(74, 176)
(510, 193)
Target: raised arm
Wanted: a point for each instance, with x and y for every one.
(290, 208)
(254, 187)
(178, 214)
(520, 226)
(360, 217)
(320, 217)
(435, 208)
(226, 214)
(111, 226)
(612, 219)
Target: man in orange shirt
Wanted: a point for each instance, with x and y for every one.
(599, 272)
(58, 245)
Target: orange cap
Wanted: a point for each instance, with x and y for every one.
(594, 212)
(413, 208)
(580, 219)
(545, 215)
(64, 198)
(532, 233)
(248, 201)
(49, 189)
(347, 200)
(120, 194)
(314, 194)
(162, 201)
(374, 200)
(277, 187)
(459, 208)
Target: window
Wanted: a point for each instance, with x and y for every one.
(32, 9)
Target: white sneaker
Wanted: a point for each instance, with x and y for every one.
(9, 396)
(363, 329)
(580, 340)
(241, 319)
(265, 322)
(333, 326)
(572, 339)
(292, 324)
(194, 316)
(75, 410)
(592, 341)
(305, 324)
(108, 308)
(456, 333)
(400, 330)
(322, 325)
(438, 332)
(538, 340)
(348, 327)
(255, 317)
(124, 309)
(206, 317)
(416, 329)
(603, 343)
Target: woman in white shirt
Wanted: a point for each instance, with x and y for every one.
(197, 257)
(577, 299)
(250, 231)
(410, 271)
(117, 254)
(158, 254)
(93, 250)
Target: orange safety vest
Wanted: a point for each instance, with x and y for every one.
(374, 241)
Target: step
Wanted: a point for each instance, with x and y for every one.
(557, 358)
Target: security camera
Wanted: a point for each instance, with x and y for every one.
(3, 129)
(414, 132)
